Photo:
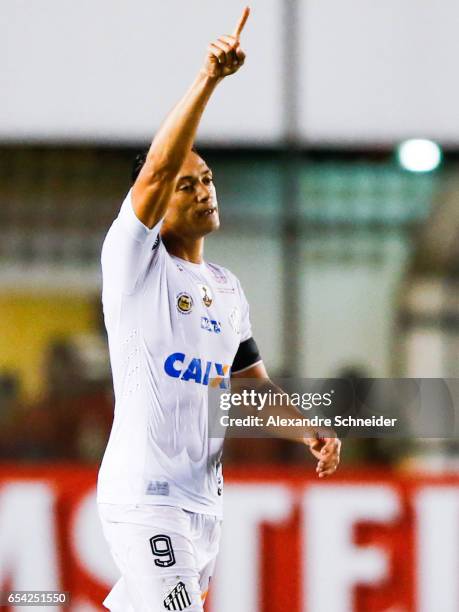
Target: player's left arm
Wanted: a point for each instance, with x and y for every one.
(325, 447)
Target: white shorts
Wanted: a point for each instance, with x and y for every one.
(166, 556)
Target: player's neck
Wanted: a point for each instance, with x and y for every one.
(188, 249)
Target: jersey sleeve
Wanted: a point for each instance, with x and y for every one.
(246, 357)
(245, 325)
(248, 353)
(129, 249)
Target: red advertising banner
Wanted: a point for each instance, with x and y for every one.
(362, 541)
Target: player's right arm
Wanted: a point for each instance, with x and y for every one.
(156, 181)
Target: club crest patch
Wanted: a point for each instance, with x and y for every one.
(235, 319)
(178, 598)
(184, 303)
(206, 294)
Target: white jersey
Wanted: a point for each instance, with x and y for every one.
(172, 327)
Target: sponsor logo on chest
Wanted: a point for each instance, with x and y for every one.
(178, 365)
(211, 325)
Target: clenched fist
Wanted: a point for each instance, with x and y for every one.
(225, 56)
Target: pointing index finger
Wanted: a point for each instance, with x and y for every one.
(242, 22)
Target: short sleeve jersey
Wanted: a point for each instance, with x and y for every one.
(173, 326)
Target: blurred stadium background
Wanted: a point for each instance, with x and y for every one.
(345, 243)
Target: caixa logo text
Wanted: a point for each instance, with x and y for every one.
(177, 366)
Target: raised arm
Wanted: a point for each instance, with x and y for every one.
(155, 183)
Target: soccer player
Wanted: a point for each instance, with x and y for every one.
(174, 323)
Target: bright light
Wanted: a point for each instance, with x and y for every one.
(419, 155)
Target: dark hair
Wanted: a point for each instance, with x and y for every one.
(139, 162)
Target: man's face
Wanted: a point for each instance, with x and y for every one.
(193, 208)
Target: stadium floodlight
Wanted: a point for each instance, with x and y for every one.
(419, 155)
